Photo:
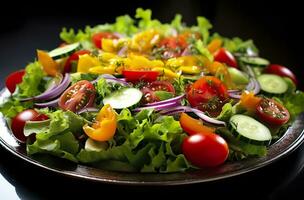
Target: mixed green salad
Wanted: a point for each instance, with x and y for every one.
(139, 95)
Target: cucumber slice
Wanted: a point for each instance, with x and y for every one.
(64, 51)
(249, 130)
(123, 98)
(255, 61)
(92, 145)
(237, 76)
(272, 84)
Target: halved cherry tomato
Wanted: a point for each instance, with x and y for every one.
(149, 90)
(18, 122)
(137, 75)
(78, 96)
(105, 126)
(73, 58)
(207, 94)
(193, 126)
(205, 149)
(173, 46)
(97, 38)
(281, 71)
(13, 79)
(272, 112)
(224, 56)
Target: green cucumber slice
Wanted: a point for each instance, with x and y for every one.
(64, 51)
(92, 145)
(123, 98)
(255, 61)
(249, 130)
(238, 77)
(272, 84)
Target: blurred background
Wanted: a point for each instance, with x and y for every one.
(275, 27)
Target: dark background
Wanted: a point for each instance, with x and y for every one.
(276, 28)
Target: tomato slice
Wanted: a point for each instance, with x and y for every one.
(73, 58)
(207, 94)
(13, 79)
(18, 122)
(78, 96)
(224, 56)
(97, 38)
(193, 126)
(272, 112)
(149, 90)
(140, 75)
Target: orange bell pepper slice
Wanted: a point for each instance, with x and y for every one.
(193, 126)
(249, 101)
(214, 45)
(49, 65)
(103, 129)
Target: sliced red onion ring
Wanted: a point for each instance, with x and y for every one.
(253, 86)
(187, 51)
(159, 107)
(174, 99)
(122, 51)
(53, 103)
(89, 109)
(55, 92)
(199, 113)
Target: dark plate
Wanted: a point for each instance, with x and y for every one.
(289, 142)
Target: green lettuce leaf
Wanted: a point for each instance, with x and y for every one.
(31, 81)
(11, 107)
(201, 49)
(203, 26)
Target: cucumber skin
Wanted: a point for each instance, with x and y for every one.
(66, 54)
(238, 136)
(268, 92)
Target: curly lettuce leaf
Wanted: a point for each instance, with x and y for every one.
(31, 81)
(11, 107)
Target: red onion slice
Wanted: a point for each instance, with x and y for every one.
(53, 103)
(89, 109)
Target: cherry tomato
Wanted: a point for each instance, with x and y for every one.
(137, 76)
(18, 122)
(173, 46)
(13, 79)
(272, 112)
(207, 94)
(193, 126)
(73, 58)
(281, 71)
(78, 96)
(97, 38)
(205, 149)
(149, 89)
(224, 56)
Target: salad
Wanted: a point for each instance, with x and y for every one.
(138, 95)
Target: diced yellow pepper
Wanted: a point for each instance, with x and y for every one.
(144, 41)
(166, 72)
(85, 62)
(49, 65)
(109, 45)
(190, 69)
(135, 62)
(102, 70)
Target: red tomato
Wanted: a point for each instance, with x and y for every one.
(137, 76)
(224, 56)
(73, 58)
(173, 46)
(205, 149)
(281, 71)
(97, 38)
(272, 112)
(13, 79)
(149, 89)
(78, 96)
(207, 94)
(18, 122)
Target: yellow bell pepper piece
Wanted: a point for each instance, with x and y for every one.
(249, 101)
(108, 45)
(190, 69)
(136, 62)
(103, 129)
(166, 72)
(214, 45)
(144, 41)
(85, 62)
(49, 65)
(102, 70)
(106, 56)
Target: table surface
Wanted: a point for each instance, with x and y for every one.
(21, 180)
